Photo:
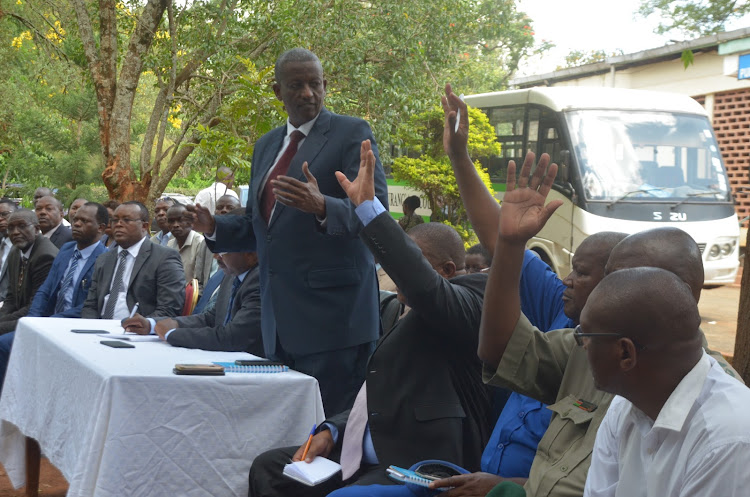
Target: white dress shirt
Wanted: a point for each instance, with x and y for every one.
(698, 446)
(121, 306)
(7, 245)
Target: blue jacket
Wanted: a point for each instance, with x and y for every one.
(45, 299)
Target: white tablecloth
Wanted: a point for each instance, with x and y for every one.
(118, 422)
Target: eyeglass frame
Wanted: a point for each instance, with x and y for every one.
(579, 336)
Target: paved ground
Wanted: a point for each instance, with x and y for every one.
(719, 322)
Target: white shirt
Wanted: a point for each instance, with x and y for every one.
(699, 445)
(7, 245)
(208, 196)
(52, 231)
(121, 306)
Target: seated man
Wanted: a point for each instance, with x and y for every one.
(232, 325)
(673, 427)
(74, 206)
(188, 243)
(136, 272)
(161, 207)
(226, 204)
(67, 284)
(7, 207)
(422, 397)
(49, 211)
(29, 263)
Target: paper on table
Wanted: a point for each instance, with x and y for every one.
(319, 470)
(134, 337)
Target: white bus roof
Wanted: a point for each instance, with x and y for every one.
(579, 97)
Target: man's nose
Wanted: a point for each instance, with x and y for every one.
(306, 91)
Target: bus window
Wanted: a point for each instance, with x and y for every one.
(510, 129)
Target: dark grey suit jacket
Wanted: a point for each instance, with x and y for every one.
(207, 330)
(61, 236)
(425, 395)
(18, 300)
(157, 282)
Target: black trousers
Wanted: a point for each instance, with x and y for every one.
(267, 480)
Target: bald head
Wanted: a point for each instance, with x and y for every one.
(439, 243)
(667, 248)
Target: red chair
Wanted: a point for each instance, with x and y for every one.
(191, 297)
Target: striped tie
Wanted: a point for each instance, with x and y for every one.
(109, 309)
(67, 282)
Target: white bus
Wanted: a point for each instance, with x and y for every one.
(629, 160)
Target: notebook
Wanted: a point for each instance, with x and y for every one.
(132, 337)
(231, 367)
(310, 474)
(409, 476)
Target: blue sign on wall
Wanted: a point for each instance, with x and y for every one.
(743, 72)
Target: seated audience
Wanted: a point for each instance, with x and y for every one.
(49, 212)
(190, 244)
(137, 272)
(410, 217)
(161, 207)
(74, 206)
(226, 204)
(67, 284)
(7, 207)
(107, 239)
(673, 427)
(477, 258)
(222, 186)
(29, 263)
(408, 409)
(232, 325)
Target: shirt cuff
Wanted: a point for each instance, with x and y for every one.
(369, 210)
(334, 431)
(152, 322)
(166, 335)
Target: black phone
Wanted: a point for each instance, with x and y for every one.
(257, 362)
(435, 471)
(98, 332)
(117, 344)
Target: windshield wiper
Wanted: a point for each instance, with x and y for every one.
(691, 195)
(642, 190)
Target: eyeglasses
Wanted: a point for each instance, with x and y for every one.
(125, 220)
(579, 335)
(18, 227)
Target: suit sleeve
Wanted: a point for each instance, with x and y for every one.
(453, 310)
(170, 286)
(41, 269)
(242, 333)
(341, 219)
(45, 292)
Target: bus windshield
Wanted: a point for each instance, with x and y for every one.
(633, 156)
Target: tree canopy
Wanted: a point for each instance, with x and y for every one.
(693, 18)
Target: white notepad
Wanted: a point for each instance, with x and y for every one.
(132, 337)
(319, 470)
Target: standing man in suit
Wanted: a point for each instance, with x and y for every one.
(67, 284)
(49, 211)
(7, 207)
(233, 325)
(29, 263)
(318, 285)
(424, 397)
(138, 271)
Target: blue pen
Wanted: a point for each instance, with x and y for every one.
(309, 441)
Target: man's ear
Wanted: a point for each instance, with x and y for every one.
(628, 354)
(448, 269)
(277, 91)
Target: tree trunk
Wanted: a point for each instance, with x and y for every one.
(741, 361)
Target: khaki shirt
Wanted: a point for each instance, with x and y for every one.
(550, 367)
(189, 253)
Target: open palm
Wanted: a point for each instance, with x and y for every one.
(523, 213)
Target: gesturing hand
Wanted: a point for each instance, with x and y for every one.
(203, 220)
(523, 213)
(363, 186)
(304, 196)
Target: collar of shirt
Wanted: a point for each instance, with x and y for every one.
(160, 235)
(27, 253)
(133, 249)
(241, 277)
(52, 231)
(86, 252)
(190, 238)
(305, 129)
(677, 407)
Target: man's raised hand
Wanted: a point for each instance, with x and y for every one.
(363, 186)
(455, 142)
(523, 213)
(203, 220)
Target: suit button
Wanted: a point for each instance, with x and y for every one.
(521, 414)
(563, 468)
